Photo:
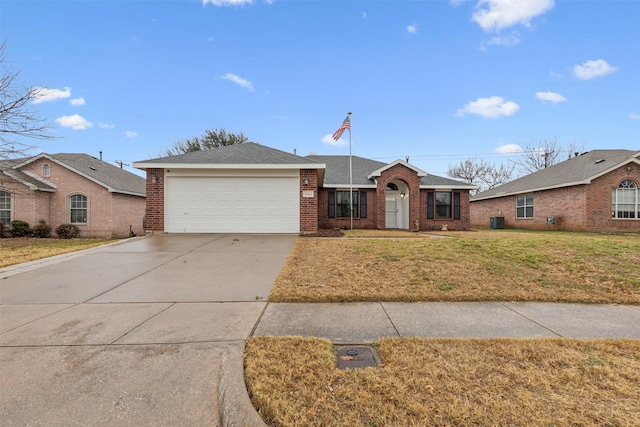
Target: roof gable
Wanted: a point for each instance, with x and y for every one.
(578, 170)
(114, 179)
(379, 172)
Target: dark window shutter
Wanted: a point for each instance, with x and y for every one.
(363, 204)
(332, 204)
(456, 205)
(430, 205)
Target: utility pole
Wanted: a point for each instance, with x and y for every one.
(121, 163)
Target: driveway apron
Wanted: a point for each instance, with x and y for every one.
(131, 333)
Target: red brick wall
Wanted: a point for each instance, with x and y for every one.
(376, 206)
(154, 212)
(368, 223)
(309, 205)
(411, 178)
(577, 208)
(464, 223)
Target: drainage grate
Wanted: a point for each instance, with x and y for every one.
(356, 356)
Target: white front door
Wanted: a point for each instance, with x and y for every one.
(391, 211)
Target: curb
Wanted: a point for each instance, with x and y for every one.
(236, 409)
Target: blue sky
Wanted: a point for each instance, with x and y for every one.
(438, 81)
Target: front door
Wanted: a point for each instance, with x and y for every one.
(391, 211)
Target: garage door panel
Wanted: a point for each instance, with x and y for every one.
(232, 204)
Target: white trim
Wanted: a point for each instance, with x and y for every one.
(378, 172)
(82, 174)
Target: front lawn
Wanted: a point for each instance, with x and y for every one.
(463, 266)
(448, 382)
(22, 249)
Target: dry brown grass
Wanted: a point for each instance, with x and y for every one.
(18, 250)
(448, 382)
(467, 266)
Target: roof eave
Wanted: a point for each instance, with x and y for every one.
(146, 165)
(532, 190)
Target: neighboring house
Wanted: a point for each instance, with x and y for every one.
(595, 191)
(101, 199)
(250, 188)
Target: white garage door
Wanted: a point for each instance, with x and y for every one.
(259, 202)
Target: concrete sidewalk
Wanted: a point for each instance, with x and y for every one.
(361, 323)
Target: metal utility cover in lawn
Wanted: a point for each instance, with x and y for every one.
(356, 357)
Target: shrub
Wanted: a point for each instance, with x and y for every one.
(42, 230)
(20, 228)
(67, 231)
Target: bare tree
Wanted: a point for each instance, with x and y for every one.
(211, 139)
(481, 173)
(542, 154)
(17, 118)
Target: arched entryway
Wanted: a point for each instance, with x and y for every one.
(397, 205)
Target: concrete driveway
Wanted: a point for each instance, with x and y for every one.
(132, 333)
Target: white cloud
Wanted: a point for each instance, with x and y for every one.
(489, 108)
(210, 39)
(634, 116)
(75, 122)
(509, 149)
(227, 2)
(550, 97)
(456, 3)
(42, 94)
(76, 102)
(130, 134)
(592, 69)
(495, 15)
(506, 41)
(238, 80)
(105, 126)
(412, 29)
(328, 139)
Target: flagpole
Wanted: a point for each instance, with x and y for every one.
(350, 175)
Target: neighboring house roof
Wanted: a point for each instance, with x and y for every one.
(578, 170)
(113, 178)
(247, 155)
(364, 172)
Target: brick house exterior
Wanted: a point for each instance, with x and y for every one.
(579, 194)
(107, 202)
(396, 195)
(421, 201)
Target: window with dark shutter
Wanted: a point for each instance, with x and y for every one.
(430, 213)
(363, 204)
(456, 205)
(332, 204)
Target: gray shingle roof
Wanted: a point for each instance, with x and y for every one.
(6, 168)
(248, 153)
(115, 179)
(337, 173)
(577, 170)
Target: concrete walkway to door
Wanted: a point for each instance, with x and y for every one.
(132, 333)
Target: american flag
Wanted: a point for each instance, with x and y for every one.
(345, 125)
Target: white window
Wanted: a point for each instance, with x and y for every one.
(78, 209)
(524, 206)
(625, 203)
(5, 207)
